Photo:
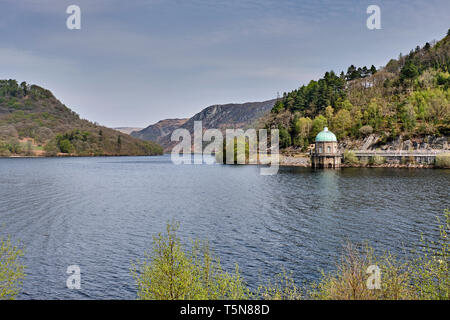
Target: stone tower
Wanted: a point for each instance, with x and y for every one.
(326, 153)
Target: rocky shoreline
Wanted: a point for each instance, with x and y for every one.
(303, 160)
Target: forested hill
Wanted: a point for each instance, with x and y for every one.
(34, 122)
(407, 98)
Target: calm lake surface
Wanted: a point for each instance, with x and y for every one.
(101, 213)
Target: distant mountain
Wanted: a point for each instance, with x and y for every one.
(34, 123)
(127, 130)
(227, 116)
(159, 130)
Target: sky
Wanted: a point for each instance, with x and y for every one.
(136, 62)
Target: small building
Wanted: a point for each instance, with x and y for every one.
(326, 153)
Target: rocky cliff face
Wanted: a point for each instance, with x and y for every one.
(228, 116)
(374, 141)
(159, 130)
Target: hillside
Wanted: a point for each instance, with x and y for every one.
(34, 123)
(227, 116)
(159, 130)
(408, 100)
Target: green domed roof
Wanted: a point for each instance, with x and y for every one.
(325, 136)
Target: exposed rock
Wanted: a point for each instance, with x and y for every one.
(370, 141)
(373, 142)
(159, 130)
(407, 145)
(228, 116)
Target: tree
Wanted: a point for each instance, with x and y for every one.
(373, 114)
(119, 142)
(408, 117)
(329, 111)
(409, 71)
(23, 85)
(373, 70)
(65, 146)
(342, 122)
(171, 273)
(304, 127)
(285, 137)
(365, 72)
(12, 272)
(29, 148)
(318, 124)
(352, 73)
(278, 107)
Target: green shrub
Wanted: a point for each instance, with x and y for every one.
(377, 160)
(4, 152)
(51, 149)
(350, 158)
(282, 287)
(365, 130)
(425, 276)
(443, 160)
(11, 147)
(349, 281)
(430, 272)
(171, 273)
(11, 270)
(65, 146)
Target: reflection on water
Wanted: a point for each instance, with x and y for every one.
(100, 213)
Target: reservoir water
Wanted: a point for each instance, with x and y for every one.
(101, 214)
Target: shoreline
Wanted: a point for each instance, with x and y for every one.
(305, 162)
(285, 161)
(79, 156)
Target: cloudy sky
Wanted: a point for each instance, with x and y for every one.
(136, 62)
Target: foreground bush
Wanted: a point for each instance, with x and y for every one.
(349, 281)
(281, 287)
(430, 270)
(171, 273)
(443, 160)
(425, 276)
(11, 270)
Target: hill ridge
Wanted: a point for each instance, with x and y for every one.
(33, 122)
